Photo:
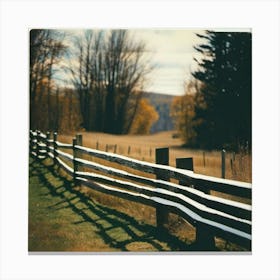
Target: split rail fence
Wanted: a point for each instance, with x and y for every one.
(190, 197)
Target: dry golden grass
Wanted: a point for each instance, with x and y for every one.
(238, 166)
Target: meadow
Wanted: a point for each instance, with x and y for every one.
(238, 167)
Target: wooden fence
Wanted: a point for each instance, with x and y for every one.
(188, 195)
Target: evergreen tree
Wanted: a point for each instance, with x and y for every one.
(226, 74)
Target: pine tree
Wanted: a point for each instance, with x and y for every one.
(225, 72)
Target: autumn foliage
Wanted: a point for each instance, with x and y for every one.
(146, 115)
(61, 109)
(104, 77)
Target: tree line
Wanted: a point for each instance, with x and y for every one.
(105, 71)
(216, 109)
(104, 76)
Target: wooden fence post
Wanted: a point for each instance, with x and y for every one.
(79, 138)
(115, 148)
(30, 141)
(204, 162)
(55, 154)
(162, 157)
(184, 163)
(204, 239)
(223, 156)
(78, 154)
(74, 143)
(47, 143)
(187, 163)
(37, 144)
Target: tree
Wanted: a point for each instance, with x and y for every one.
(226, 74)
(87, 77)
(183, 113)
(124, 74)
(109, 77)
(69, 107)
(46, 50)
(146, 115)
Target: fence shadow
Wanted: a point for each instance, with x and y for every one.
(105, 219)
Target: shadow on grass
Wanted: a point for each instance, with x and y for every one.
(117, 229)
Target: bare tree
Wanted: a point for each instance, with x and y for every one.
(125, 73)
(108, 71)
(46, 50)
(85, 72)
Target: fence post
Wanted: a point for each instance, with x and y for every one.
(115, 148)
(32, 137)
(223, 156)
(184, 163)
(47, 143)
(74, 143)
(187, 163)
(79, 138)
(30, 141)
(37, 144)
(55, 146)
(205, 240)
(204, 162)
(78, 154)
(162, 157)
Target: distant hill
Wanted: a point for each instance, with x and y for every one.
(162, 103)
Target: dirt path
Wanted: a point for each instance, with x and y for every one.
(64, 219)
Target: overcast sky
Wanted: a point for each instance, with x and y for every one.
(172, 54)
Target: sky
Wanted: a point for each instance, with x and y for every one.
(172, 53)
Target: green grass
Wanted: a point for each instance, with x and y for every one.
(63, 218)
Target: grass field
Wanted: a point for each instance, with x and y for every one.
(63, 217)
(238, 166)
